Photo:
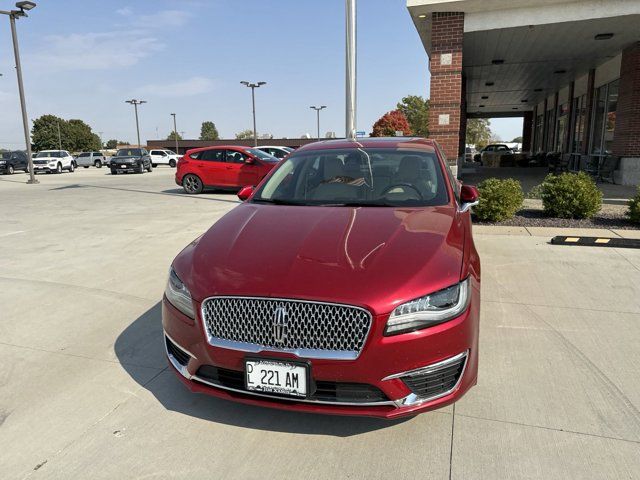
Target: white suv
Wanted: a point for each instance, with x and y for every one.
(88, 159)
(53, 161)
(164, 157)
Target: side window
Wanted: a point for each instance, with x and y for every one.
(155, 152)
(212, 155)
(234, 156)
(196, 155)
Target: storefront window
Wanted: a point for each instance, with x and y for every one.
(579, 119)
(604, 118)
(561, 127)
(539, 133)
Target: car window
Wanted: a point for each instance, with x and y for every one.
(356, 176)
(233, 156)
(97, 154)
(5, 155)
(157, 152)
(82, 155)
(212, 155)
(129, 152)
(261, 155)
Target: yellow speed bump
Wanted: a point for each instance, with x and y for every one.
(596, 242)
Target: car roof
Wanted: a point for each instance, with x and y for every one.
(372, 142)
(270, 146)
(218, 147)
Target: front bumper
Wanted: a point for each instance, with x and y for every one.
(125, 167)
(386, 364)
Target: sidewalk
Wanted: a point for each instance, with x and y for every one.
(552, 232)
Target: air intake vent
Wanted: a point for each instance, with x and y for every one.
(176, 352)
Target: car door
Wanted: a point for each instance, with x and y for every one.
(239, 173)
(211, 167)
(20, 160)
(157, 157)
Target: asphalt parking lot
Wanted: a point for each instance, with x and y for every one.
(85, 391)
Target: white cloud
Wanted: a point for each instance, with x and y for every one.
(96, 51)
(125, 12)
(186, 88)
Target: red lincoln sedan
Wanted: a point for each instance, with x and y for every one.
(346, 283)
(225, 167)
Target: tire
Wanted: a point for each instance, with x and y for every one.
(58, 169)
(154, 165)
(150, 168)
(86, 166)
(141, 168)
(192, 184)
(10, 170)
(172, 163)
(114, 171)
(72, 168)
(98, 164)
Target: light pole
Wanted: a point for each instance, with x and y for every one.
(175, 130)
(59, 136)
(253, 87)
(135, 104)
(101, 144)
(350, 69)
(317, 109)
(23, 8)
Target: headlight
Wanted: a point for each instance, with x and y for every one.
(429, 310)
(2, 162)
(178, 295)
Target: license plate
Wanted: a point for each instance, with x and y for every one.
(123, 166)
(276, 377)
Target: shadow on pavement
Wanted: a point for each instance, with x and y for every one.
(141, 344)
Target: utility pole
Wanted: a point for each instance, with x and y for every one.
(317, 109)
(23, 7)
(59, 136)
(135, 104)
(350, 69)
(175, 131)
(253, 87)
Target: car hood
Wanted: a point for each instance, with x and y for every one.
(374, 257)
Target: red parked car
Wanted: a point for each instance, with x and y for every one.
(225, 167)
(346, 283)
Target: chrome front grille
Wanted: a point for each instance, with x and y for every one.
(308, 329)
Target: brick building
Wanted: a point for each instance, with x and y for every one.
(569, 68)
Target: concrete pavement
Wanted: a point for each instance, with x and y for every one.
(85, 391)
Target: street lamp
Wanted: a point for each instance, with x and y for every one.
(253, 87)
(135, 104)
(317, 109)
(23, 7)
(175, 131)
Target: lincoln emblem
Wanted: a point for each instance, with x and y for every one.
(280, 323)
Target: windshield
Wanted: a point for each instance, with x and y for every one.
(129, 152)
(262, 155)
(288, 149)
(354, 177)
(55, 154)
(5, 155)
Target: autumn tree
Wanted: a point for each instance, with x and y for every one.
(478, 132)
(390, 123)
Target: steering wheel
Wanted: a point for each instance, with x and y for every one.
(403, 186)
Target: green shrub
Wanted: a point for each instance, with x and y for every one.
(634, 208)
(570, 196)
(535, 192)
(499, 199)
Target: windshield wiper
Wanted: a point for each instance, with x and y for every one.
(357, 204)
(278, 201)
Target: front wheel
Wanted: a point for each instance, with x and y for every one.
(72, 168)
(172, 163)
(192, 184)
(10, 170)
(141, 168)
(98, 164)
(150, 168)
(59, 168)
(114, 171)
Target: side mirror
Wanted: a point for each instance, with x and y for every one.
(469, 197)
(245, 192)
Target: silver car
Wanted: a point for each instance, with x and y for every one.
(89, 159)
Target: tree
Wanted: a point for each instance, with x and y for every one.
(517, 140)
(390, 123)
(244, 134)
(478, 132)
(172, 136)
(75, 135)
(113, 143)
(208, 131)
(416, 109)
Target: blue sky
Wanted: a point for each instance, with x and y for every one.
(83, 58)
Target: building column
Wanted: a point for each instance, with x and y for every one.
(445, 65)
(568, 131)
(587, 121)
(626, 140)
(527, 131)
